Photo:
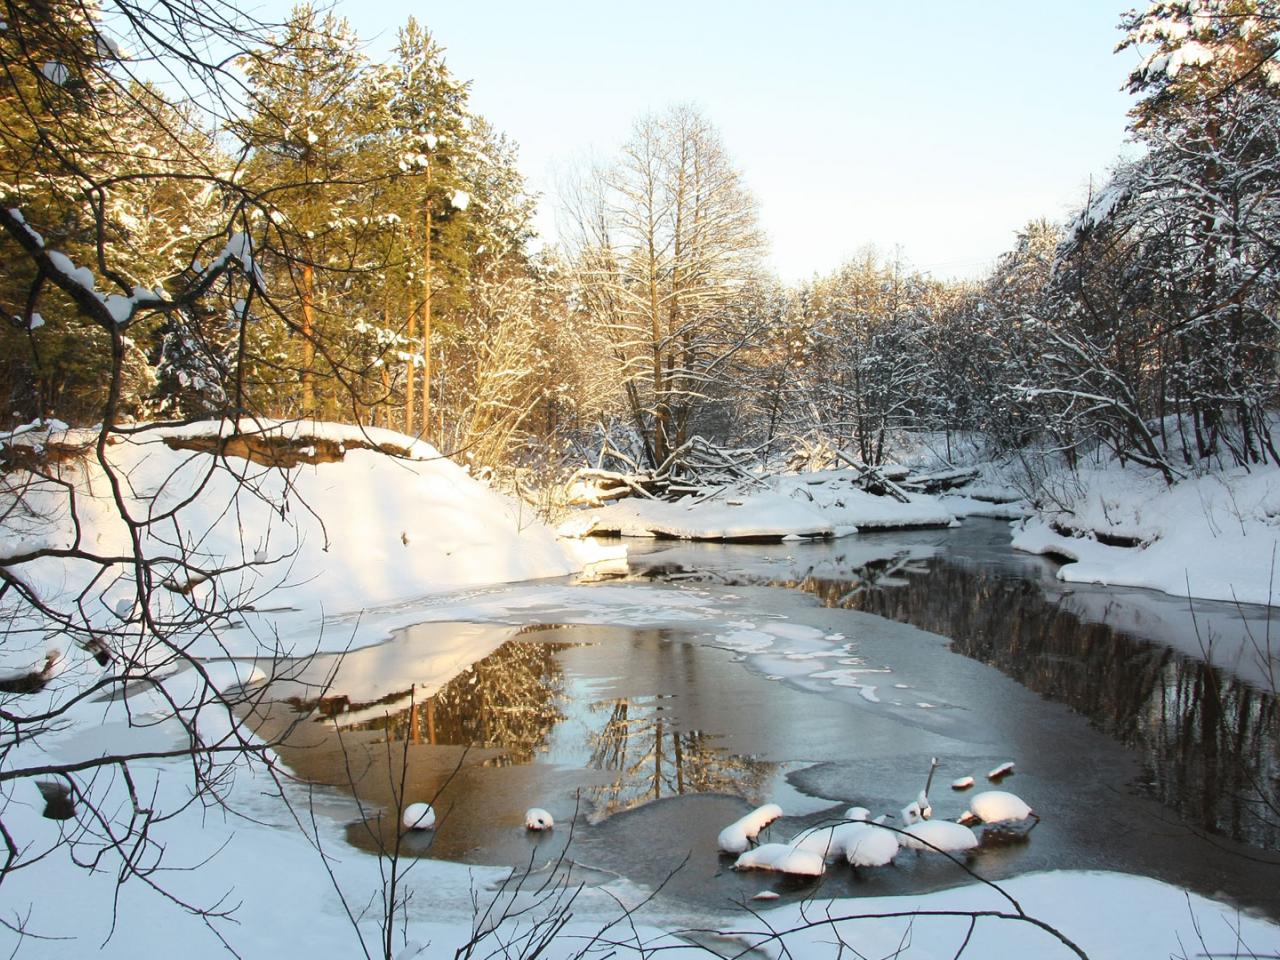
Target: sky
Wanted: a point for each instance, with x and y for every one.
(933, 129)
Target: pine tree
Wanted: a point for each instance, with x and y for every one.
(460, 198)
(311, 165)
(111, 176)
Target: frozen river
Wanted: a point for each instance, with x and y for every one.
(816, 676)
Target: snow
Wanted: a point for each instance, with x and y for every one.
(466, 539)
(412, 160)
(782, 858)
(270, 866)
(82, 276)
(868, 845)
(55, 72)
(1096, 911)
(759, 516)
(535, 818)
(822, 504)
(938, 836)
(1188, 54)
(996, 806)
(1211, 536)
(419, 816)
(1100, 207)
(460, 200)
(736, 837)
(861, 843)
(917, 810)
(107, 47)
(369, 531)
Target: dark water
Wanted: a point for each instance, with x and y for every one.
(1208, 739)
(587, 721)
(645, 742)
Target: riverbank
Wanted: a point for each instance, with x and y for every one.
(930, 702)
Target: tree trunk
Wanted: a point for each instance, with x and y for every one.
(308, 341)
(409, 390)
(426, 318)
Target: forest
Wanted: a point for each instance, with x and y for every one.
(317, 235)
(319, 460)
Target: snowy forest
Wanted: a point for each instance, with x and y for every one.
(388, 226)
(380, 577)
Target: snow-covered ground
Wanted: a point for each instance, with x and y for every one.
(268, 865)
(1213, 536)
(373, 543)
(320, 540)
(826, 503)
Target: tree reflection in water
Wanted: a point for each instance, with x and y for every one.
(510, 700)
(1208, 740)
(511, 703)
(652, 758)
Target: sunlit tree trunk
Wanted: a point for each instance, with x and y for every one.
(308, 341)
(426, 315)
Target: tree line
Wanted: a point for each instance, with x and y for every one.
(349, 240)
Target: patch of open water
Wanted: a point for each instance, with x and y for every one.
(1139, 756)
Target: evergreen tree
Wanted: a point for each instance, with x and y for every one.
(461, 200)
(311, 163)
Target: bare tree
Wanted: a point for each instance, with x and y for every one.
(665, 239)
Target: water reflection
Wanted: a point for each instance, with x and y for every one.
(510, 700)
(1209, 741)
(642, 744)
(553, 712)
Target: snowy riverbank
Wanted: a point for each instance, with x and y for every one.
(315, 524)
(411, 538)
(255, 852)
(795, 506)
(1212, 537)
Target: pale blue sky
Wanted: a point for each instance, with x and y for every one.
(939, 127)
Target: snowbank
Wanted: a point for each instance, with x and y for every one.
(332, 527)
(792, 507)
(1110, 916)
(1214, 537)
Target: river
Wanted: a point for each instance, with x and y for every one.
(1142, 728)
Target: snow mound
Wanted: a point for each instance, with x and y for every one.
(299, 543)
(736, 837)
(939, 836)
(792, 507)
(419, 816)
(1211, 537)
(761, 516)
(535, 818)
(783, 858)
(868, 845)
(997, 806)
